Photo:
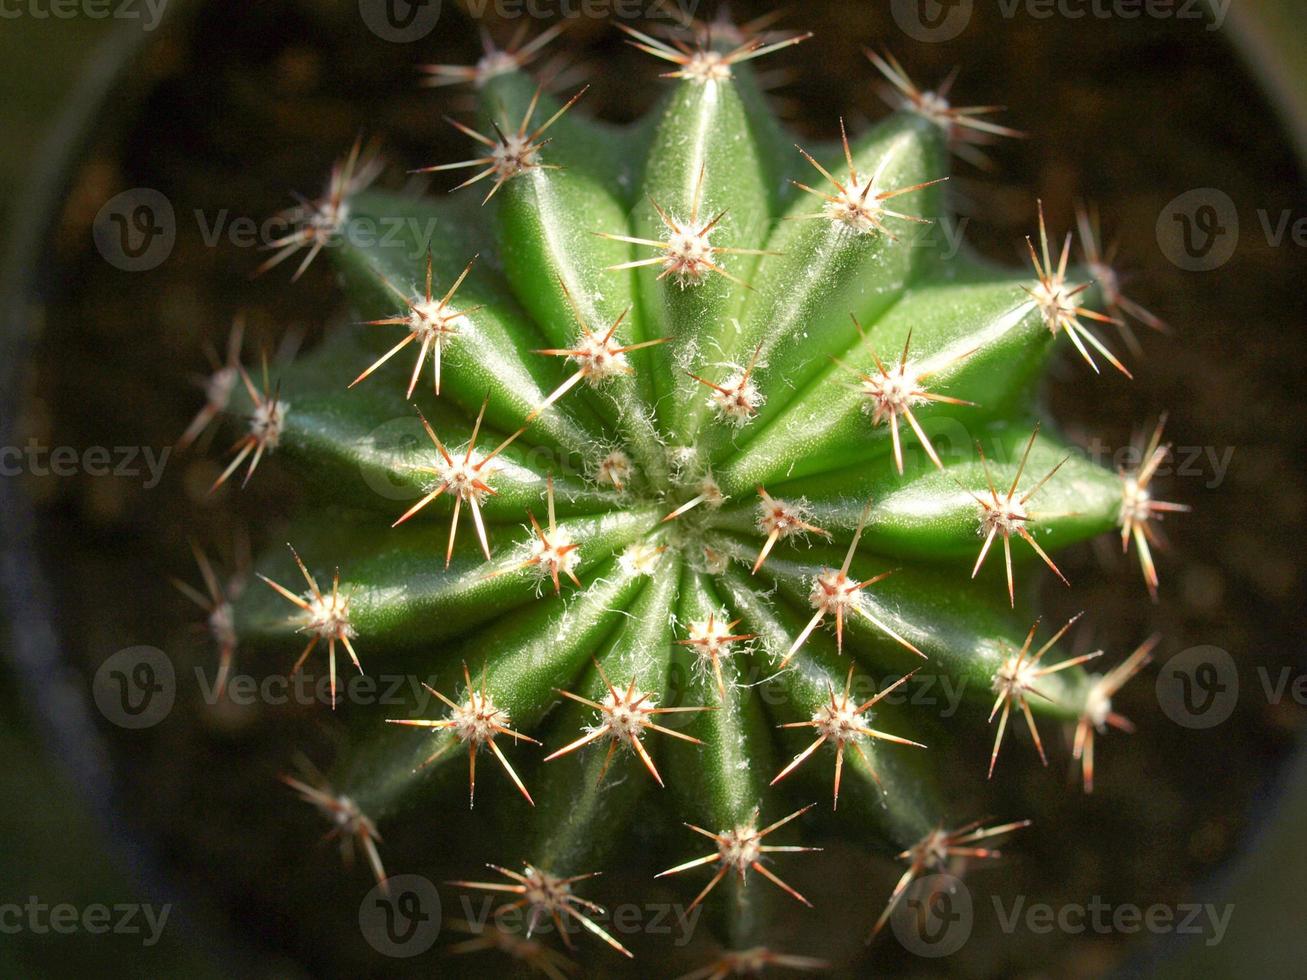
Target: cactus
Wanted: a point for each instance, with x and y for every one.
(665, 419)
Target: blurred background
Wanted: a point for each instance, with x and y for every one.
(226, 109)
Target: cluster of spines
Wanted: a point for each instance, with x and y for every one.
(688, 257)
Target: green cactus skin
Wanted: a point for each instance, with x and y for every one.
(739, 346)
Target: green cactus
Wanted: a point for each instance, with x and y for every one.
(689, 433)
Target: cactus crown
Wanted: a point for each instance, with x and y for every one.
(714, 415)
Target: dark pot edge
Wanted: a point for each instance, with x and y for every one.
(55, 696)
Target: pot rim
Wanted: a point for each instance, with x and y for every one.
(55, 694)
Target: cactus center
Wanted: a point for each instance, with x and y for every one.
(934, 107)
(429, 321)
(328, 615)
(615, 469)
(1016, 676)
(555, 554)
(1004, 519)
(219, 386)
(932, 850)
(1136, 502)
(513, 155)
(740, 847)
(347, 816)
(326, 217)
(689, 254)
(462, 477)
(890, 393)
(856, 205)
(641, 558)
(710, 493)
(708, 66)
(222, 624)
(839, 723)
(1055, 300)
(833, 592)
(711, 637)
(599, 357)
(780, 518)
(1098, 706)
(736, 399)
(546, 891)
(267, 420)
(493, 64)
(477, 719)
(626, 713)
